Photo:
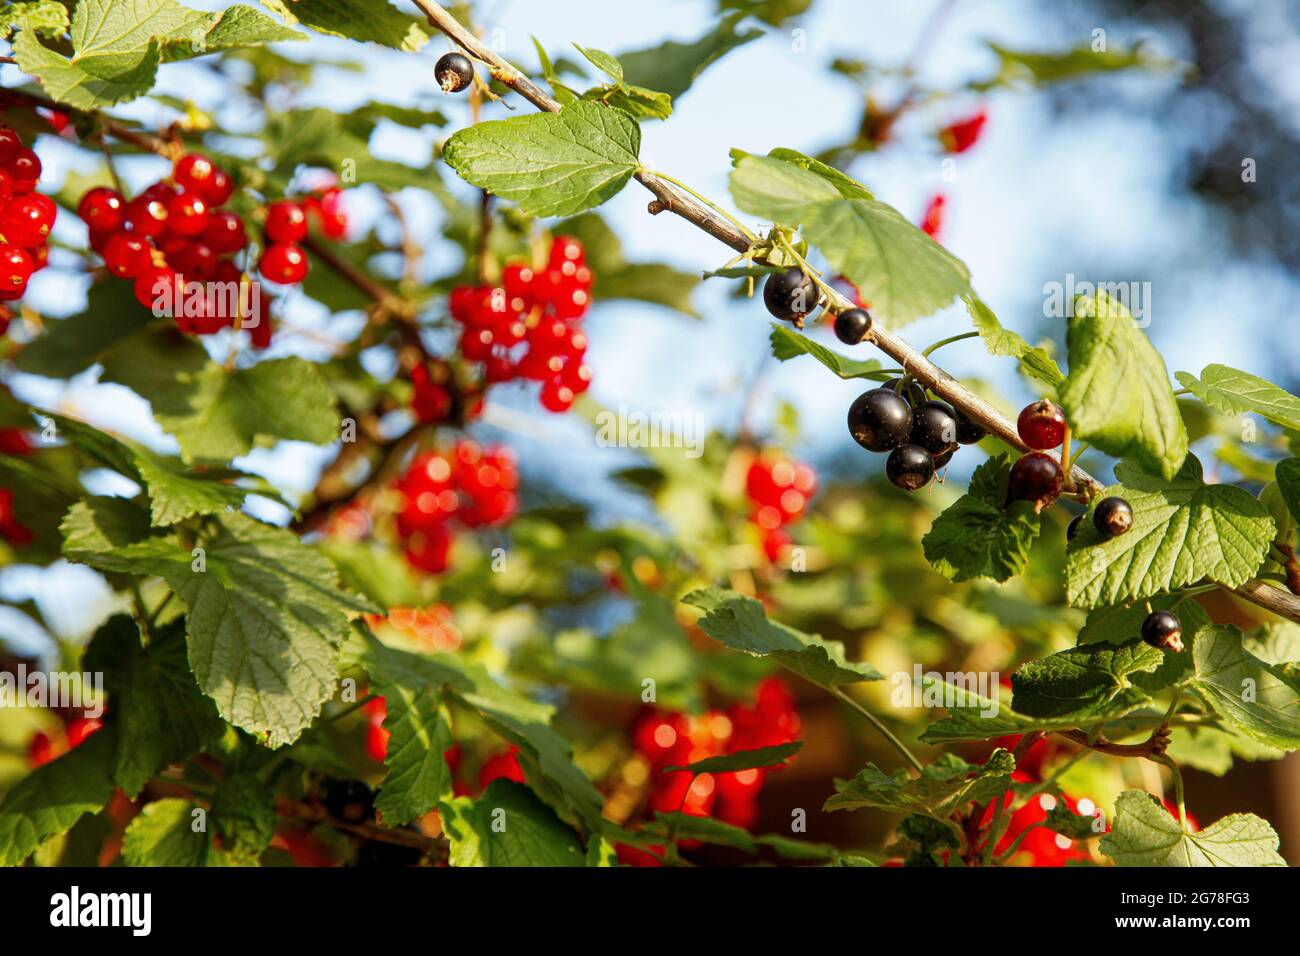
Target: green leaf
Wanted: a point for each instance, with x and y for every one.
(508, 826)
(940, 791)
(634, 100)
(742, 760)
(673, 66)
(215, 413)
(1117, 395)
(602, 61)
(1085, 684)
(740, 623)
(50, 799)
(1260, 699)
(76, 343)
(787, 343)
(903, 272)
(688, 826)
(1061, 819)
(157, 708)
(1288, 483)
(1042, 68)
(1234, 392)
(46, 17)
(1035, 362)
(418, 775)
(175, 492)
(1183, 531)
(243, 815)
(550, 164)
(1146, 834)
(974, 716)
(168, 832)
(265, 620)
(117, 47)
(363, 20)
(976, 537)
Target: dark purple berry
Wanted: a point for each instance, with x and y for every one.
(350, 801)
(1113, 517)
(934, 427)
(880, 420)
(1073, 527)
(454, 72)
(852, 326)
(968, 433)
(791, 294)
(1035, 477)
(909, 467)
(913, 392)
(1163, 629)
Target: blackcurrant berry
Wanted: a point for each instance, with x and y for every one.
(379, 853)
(1035, 477)
(968, 433)
(1163, 629)
(852, 326)
(350, 801)
(880, 420)
(909, 467)
(1113, 517)
(790, 294)
(914, 393)
(1073, 527)
(943, 459)
(934, 427)
(1041, 425)
(454, 72)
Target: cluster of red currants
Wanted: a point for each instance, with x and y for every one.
(43, 748)
(473, 485)
(667, 739)
(920, 434)
(172, 233)
(529, 327)
(26, 218)
(779, 491)
(284, 261)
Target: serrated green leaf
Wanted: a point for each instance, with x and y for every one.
(602, 61)
(689, 826)
(46, 17)
(976, 537)
(1061, 819)
(243, 815)
(168, 832)
(418, 775)
(742, 760)
(50, 799)
(974, 716)
(217, 414)
(1183, 531)
(1044, 67)
(634, 100)
(1144, 833)
(1258, 698)
(1117, 395)
(508, 826)
(673, 66)
(158, 711)
(1212, 750)
(1035, 362)
(741, 623)
(550, 164)
(266, 617)
(1085, 684)
(1288, 483)
(942, 788)
(1234, 392)
(787, 344)
(367, 22)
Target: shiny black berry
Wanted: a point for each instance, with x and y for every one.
(968, 433)
(1035, 477)
(880, 420)
(1073, 527)
(790, 294)
(454, 72)
(914, 392)
(934, 427)
(350, 801)
(1113, 517)
(852, 326)
(941, 460)
(909, 467)
(1163, 629)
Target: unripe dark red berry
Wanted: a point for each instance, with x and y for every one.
(852, 326)
(880, 420)
(1041, 425)
(225, 232)
(454, 72)
(791, 294)
(1035, 477)
(1163, 629)
(1113, 517)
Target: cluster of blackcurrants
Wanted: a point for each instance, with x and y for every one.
(921, 434)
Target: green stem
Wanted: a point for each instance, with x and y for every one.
(1078, 453)
(952, 338)
(995, 831)
(708, 202)
(1182, 391)
(1178, 788)
(1010, 851)
(881, 729)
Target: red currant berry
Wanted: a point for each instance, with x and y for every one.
(15, 268)
(25, 168)
(285, 263)
(1041, 425)
(147, 215)
(518, 281)
(187, 215)
(197, 260)
(193, 172)
(498, 368)
(27, 219)
(127, 255)
(10, 143)
(566, 249)
(477, 344)
(225, 233)
(159, 288)
(556, 396)
(285, 222)
(577, 376)
(6, 186)
(219, 188)
(102, 209)
(1035, 477)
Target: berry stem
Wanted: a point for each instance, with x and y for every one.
(1067, 461)
(1178, 787)
(704, 199)
(948, 341)
(884, 731)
